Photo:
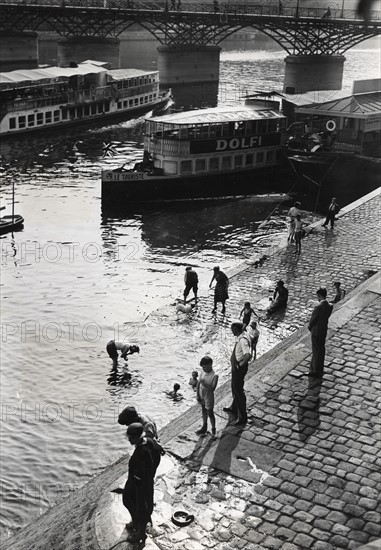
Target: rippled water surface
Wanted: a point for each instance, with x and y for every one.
(72, 280)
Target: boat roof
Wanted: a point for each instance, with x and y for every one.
(217, 115)
(122, 74)
(49, 73)
(356, 105)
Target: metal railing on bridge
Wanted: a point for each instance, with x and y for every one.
(222, 9)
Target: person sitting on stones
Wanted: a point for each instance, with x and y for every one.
(280, 297)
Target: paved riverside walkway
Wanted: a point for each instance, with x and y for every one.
(304, 473)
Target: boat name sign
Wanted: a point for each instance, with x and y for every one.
(245, 142)
(122, 176)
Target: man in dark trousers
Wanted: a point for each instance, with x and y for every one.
(332, 211)
(318, 326)
(239, 362)
(138, 490)
(191, 283)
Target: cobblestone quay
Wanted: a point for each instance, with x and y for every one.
(304, 473)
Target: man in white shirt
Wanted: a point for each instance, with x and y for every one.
(239, 362)
(292, 213)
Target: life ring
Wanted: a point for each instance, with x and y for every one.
(331, 125)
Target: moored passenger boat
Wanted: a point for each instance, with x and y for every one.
(222, 151)
(58, 96)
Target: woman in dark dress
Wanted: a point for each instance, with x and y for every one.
(221, 288)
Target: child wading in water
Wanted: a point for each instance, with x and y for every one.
(247, 312)
(205, 395)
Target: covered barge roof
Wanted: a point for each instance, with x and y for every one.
(217, 115)
(355, 106)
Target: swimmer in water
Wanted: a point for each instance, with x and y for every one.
(174, 393)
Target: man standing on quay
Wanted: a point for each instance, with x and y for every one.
(239, 361)
(138, 490)
(318, 326)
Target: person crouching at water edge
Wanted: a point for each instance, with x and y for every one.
(205, 395)
(113, 347)
(138, 492)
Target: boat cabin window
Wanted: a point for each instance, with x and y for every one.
(259, 158)
(214, 163)
(40, 119)
(56, 115)
(226, 129)
(249, 159)
(239, 128)
(349, 123)
(200, 165)
(226, 162)
(238, 160)
(12, 123)
(262, 126)
(251, 126)
(170, 167)
(215, 130)
(30, 120)
(269, 156)
(48, 117)
(22, 122)
(186, 167)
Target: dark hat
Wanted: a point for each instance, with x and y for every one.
(127, 416)
(216, 268)
(135, 429)
(280, 282)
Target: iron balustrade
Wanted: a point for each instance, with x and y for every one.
(298, 30)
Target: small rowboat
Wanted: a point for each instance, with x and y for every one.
(11, 223)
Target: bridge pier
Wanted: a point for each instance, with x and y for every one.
(188, 64)
(19, 50)
(80, 48)
(306, 73)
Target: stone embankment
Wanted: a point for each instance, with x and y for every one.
(304, 473)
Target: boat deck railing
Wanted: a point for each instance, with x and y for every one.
(137, 90)
(76, 97)
(347, 147)
(168, 147)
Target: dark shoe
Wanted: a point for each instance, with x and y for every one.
(201, 431)
(240, 423)
(228, 410)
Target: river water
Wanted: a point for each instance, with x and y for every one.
(72, 280)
